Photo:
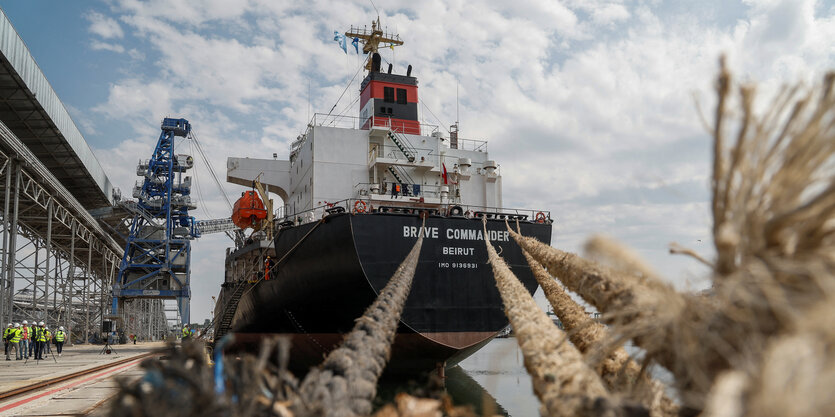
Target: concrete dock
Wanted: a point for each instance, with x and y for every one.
(84, 395)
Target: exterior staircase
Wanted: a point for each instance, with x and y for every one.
(403, 144)
(229, 312)
(402, 178)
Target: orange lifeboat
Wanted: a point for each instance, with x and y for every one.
(249, 210)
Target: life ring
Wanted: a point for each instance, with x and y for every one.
(540, 217)
(360, 206)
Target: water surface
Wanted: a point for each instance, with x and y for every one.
(494, 373)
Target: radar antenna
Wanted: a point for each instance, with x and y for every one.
(372, 39)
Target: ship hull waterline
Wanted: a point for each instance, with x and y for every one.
(328, 272)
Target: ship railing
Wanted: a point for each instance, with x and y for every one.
(364, 204)
(356, 30)
(313, 214)
(423, 156)
(500, 213)
(353, 122)
(476, 167)
(366, 189)
(472, 145)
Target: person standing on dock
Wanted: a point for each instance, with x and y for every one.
(40, 341)
(59, 340)
(48, 339)
(32, 342)
(24, 340)
(186, 332)
(6, 337)
(14, 342)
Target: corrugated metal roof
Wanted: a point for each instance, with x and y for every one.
(32, 110)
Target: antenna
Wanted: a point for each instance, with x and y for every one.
(372, 39)
(375, 8)
(453, 130)
(456, 102)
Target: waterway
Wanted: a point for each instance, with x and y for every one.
(493, 379)
(495, 376)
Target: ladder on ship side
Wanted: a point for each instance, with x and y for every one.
(403, 144)
(229, 312)
(402, 178)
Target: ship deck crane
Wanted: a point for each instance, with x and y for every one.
(268, 224)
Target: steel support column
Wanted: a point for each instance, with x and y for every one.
(47, 272)
(87, 282)
(13, 242)
(68, 310)
(7, 171)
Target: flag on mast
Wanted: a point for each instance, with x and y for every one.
(444, 174)
(340, 39)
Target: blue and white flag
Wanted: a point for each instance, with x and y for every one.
(356, 43)
(340, 39)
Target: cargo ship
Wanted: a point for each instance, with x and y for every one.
(355, 193)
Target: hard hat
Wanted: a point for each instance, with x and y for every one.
(17, 325)
(40, 324)
(46, 327)
(9, 325)
(60, 327)
(25, 322)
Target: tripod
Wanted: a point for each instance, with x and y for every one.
(107, 349)
(41, 352)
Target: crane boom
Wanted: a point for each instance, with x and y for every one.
(207, 227)
(268, 203)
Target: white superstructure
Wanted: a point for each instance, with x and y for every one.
(378, 166)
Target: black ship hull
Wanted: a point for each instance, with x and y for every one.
(328, 272)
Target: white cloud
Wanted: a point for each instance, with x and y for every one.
(138, 103)
(135, 54)
(103, 26)
(609, 14)
(104, 46)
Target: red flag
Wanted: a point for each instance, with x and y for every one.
(444, 174)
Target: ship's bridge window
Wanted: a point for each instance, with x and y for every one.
(388, 94)
(401, 96)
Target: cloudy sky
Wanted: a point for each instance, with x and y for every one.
(590, 106)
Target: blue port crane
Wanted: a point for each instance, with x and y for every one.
(157, 258)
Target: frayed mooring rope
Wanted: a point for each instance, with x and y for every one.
(346, 382)
(619, 373)
(564, 383)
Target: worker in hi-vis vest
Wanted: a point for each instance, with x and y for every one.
(48, 339)
(24, 340)
(7, 333)
(60, 336)
(186, 332)
(32, 327)
(14, 342)
(40, 341)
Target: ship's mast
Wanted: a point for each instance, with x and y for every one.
(372, 39)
